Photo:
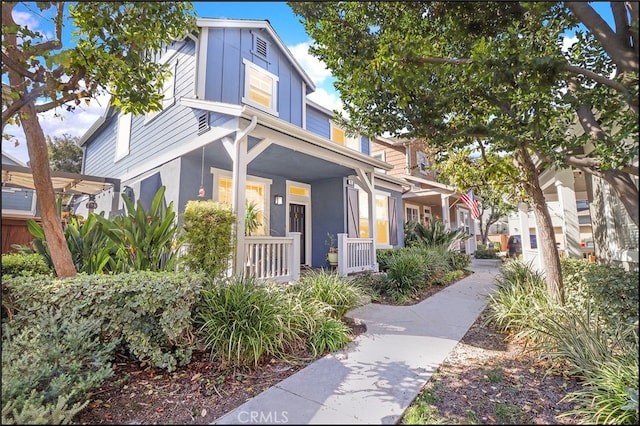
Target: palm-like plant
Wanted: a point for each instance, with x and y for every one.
(417, 234)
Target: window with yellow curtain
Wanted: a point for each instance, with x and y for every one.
(382, 219)
(255, 193)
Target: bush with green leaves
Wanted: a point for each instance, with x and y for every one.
(606, 358)
(340, 294)
(50, 366)
(145, 240)
(330, 335)
(24, 265)
(208, 227)
(406, 275)
(458, 261)
(483, 252)
(384, 258)
(610, 292)
(435, 234)
(520, 302)
(243, 320)
(150, 311)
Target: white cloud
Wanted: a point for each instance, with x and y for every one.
(26, 19)
(331, 101)
(316, 69)
(56, 123)
(567, 42)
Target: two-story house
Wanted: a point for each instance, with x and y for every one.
(423, 198)
(237, 126)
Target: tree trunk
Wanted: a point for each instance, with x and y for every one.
(46, 197)
(547, 247)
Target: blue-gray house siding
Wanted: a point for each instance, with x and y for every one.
(225, 73)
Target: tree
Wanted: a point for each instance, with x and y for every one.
(488, 75)
(111, 52)
(491, 177)
(65, 155)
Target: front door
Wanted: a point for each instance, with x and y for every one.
(297, 224)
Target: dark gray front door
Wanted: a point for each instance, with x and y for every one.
(297, 224)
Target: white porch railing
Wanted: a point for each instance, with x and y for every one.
(355, 255)
(273, 258)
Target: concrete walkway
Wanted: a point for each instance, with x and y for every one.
(376, 377)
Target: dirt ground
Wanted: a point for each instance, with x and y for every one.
(483, 381)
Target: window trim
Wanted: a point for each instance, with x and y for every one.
(167, 101)
(251, 67)
(123, 136)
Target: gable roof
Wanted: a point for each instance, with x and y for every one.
(258, 24)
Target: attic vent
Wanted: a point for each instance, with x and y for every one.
(261, 47)
(203, 123)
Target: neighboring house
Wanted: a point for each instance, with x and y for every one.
(236, 126)
(18, 205)
(423, 198)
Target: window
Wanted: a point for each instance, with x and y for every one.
(422, 162)
(168, 92)
(382, 219)
(260, 88)
(412, 213)
(124, 136)
(363, 208)
(339, 135)
(257, 191)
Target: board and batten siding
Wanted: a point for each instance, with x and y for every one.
(149, 138)
(225, 72)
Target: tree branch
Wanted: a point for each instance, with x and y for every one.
(438, 61)
(596, 77)
(14, 66)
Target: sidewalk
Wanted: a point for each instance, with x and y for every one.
(376, 377)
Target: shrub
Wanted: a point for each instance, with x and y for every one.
(605, 358)
(435, 234)
(330, 335)
(149, 311)
(243, 320)
(341, 295)
(50, 366)
(207, 233)
(384, 258)
(610, 292)
(457, 260)
(520, 302)
(145, 240)
(24, 265)
(485, 253)
(436, 262)
(407, 274)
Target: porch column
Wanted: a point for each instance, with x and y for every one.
(523, 212)
(570, 225)
(238, 193)
(446, 220)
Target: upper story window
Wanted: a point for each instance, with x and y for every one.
(382, 157)
(260, 88)
(339, 135)
(422, 162)
(168, 92)
(124, 136)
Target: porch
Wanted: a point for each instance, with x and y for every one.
(278, 258)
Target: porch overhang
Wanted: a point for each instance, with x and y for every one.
(63, 182)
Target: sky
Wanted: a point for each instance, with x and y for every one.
(285, 23)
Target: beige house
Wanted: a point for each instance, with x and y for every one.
(423, 198)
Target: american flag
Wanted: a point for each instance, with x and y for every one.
(470, 201)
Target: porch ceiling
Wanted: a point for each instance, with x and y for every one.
(72, 183)
(295, 165)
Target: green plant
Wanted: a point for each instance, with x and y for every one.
(331, 243)
(508, 413)
(49, 366)
(24, 265)
(417, 234)
(207, 227)
(150, 311)
(146, 241)
(252, 218)
(243, 320)
(341, 295)
(406, 274)
(330, 335)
